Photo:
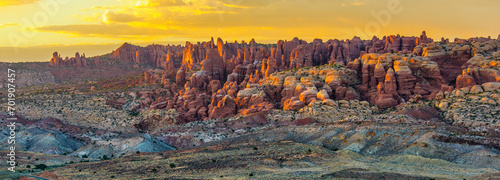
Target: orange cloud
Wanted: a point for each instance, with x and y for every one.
(110, 17)
(179, 20)
(16, 2)
(272, 13)
(160, 3)
(108, 30)
(252, 3)
(353, 4)
(358, 4)
(101, 8)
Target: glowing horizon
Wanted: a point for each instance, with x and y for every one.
(35, 25)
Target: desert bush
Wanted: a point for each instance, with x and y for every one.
(41, 166)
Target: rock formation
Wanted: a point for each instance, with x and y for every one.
(243, 78)
(77, 61)
(465, 80)
(225, 107)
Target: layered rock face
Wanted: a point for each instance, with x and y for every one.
(485, 65)
(290, 91)
(395, 44)
(465, 80)
(126, 52)
(156, 55)
(388, 79)
(77, 61)
(474, 54)
(285, 55)
(224, 79)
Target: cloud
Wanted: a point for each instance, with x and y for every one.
(353, 4)
(101, 8)
(9, 25)
(110, 17)
(252, 3)
(358, 4)
(200, 18)
(278, 14)
(108, 30)
(160, 3)
(16, 2)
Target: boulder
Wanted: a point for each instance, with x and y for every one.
(293, 103)
(465, 80)
(491, 86)
(213, 87)
(476, 89)
(443, 106)
(322, 95)
(308, 96)
(225, 108)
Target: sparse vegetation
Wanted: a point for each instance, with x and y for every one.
(172, 165)
(41, 166)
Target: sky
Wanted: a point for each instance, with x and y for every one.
(33, 29)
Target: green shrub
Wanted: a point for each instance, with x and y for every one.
(41, 166)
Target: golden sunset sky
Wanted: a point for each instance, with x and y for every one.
(33, 29)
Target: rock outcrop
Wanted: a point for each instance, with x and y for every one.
(77, 61)
(156, 55)
(465, 80)
(226, 79)
(395, 76)
(225, 107)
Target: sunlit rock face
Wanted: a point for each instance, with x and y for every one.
(77, 61)
(217, 79)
